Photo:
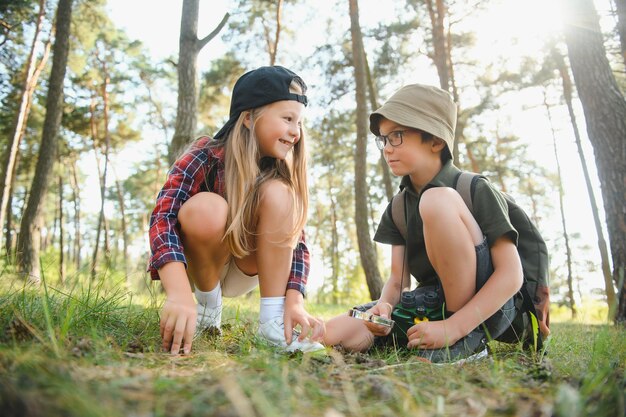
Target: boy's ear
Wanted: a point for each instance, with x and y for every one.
(247, 119)
(438, 144)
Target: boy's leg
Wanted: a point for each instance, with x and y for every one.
(451, 235)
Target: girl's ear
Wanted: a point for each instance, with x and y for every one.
(247, 120)
(438, 145)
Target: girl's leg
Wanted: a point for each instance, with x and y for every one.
(203, 222)
(274, 248)
(451, 234)
(274, 255)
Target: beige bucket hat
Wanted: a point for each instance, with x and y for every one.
(419, 106)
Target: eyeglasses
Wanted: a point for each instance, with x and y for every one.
(393, 138)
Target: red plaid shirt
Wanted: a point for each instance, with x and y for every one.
(188, 177)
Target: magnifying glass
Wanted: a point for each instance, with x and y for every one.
(362, 315)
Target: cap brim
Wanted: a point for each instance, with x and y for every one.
(225, 129)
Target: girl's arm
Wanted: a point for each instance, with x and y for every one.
(505, 281)
(184, 179)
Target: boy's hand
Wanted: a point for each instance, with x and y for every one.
(296, 314)
(381, 309)
(178, 323)
(433, 335)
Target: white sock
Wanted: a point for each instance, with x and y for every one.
(211, 298)
(271, 308)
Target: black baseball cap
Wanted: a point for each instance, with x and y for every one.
(259, 87)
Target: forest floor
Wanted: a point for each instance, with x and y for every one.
(96, 352)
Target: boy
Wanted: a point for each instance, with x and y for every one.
(472, 261)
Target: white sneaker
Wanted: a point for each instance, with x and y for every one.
(208, 317)
(273, 332)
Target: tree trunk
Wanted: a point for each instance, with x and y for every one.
(621, 26)
(384, 168)
(8, 237)
(103, 177)
(120, 199)
(334, 250)
(10, 158)
(189, 47)
(568, 251)
(367, 250)
(272, 45)
(28, 251)
(76, 202)
(437, 13)
(61, 232)
(604, 252)
(605, 113)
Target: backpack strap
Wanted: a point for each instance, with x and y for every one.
(465, 185)
(397, 212)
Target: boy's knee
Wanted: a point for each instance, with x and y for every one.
(438, 201)
(204, 214)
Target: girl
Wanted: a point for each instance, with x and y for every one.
(230, 214)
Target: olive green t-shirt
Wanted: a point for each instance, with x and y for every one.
(490, 211)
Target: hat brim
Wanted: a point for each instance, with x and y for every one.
(404, 116)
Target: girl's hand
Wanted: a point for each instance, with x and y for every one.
(433, 335)
(296, 314)
(178, 323)
(178, 317)
(381, 309)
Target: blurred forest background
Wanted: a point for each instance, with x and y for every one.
(91, 118)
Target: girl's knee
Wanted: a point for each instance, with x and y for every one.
(203, 215)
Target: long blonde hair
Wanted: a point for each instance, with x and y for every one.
(245, 172)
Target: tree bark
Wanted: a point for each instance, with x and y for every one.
(28, 250)
(10, 158)
(367, 250)
(189, 47)
(605, 113)
(604, 252)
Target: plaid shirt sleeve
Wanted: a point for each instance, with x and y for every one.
(183, 181)
(299, 267)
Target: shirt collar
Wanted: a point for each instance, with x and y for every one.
(444, 178)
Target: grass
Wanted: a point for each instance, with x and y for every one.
(94, 350)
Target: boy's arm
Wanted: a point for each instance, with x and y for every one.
(390, 294)
(505, 281)
(398, 278)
